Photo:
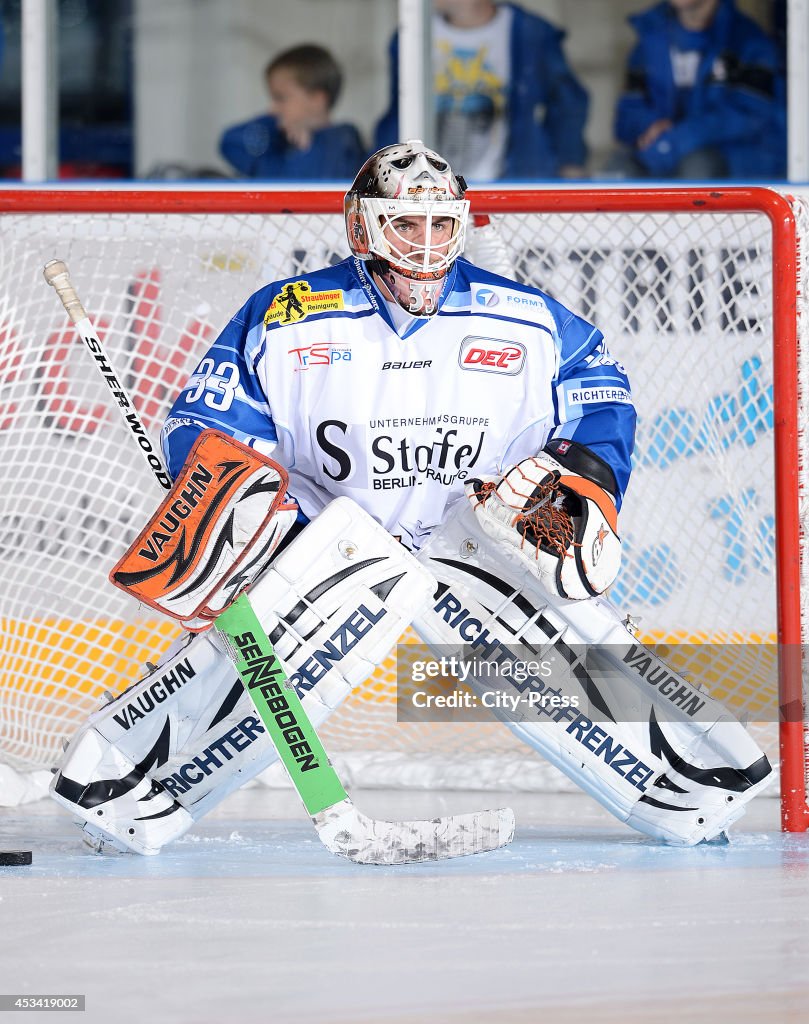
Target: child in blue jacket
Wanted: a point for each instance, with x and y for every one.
(296, 140)
(504, 69)
(705, 94)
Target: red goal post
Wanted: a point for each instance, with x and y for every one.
(672, 276)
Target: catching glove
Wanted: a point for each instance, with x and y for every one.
(557, 511)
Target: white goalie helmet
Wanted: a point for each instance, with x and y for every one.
(396, 185)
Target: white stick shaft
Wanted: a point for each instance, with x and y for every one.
(57, 275)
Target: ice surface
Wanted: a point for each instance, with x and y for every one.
(250, 919)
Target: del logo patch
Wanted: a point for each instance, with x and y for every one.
(492, 355)
(296, 301)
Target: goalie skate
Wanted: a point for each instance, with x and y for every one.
(654, 750)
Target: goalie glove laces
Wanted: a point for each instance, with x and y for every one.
(546, 523)
(557, 517)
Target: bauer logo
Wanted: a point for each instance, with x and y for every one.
(492, 356)
(296, 301)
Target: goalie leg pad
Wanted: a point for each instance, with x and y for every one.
(175, 744)
(676, 765)
(144, 767)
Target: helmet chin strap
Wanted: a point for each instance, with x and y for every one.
(416, 293)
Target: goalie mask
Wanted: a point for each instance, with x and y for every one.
(406, 215)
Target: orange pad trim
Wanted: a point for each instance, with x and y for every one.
(171, 549)
(588, 489)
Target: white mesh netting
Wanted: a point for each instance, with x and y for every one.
(684, 300)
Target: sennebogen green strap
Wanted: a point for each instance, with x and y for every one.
(280, 707)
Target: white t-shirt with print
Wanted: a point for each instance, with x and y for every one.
(472, 69)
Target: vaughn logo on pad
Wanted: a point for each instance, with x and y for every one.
(214, 531)
(491, 355)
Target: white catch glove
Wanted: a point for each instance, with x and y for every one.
(558, 513)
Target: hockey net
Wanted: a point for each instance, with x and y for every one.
(695, 292)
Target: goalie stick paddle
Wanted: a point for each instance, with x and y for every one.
(342, 828)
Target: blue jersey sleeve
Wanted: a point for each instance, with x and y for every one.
(224, 391)
(592, 398)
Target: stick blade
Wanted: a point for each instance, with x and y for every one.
(349, 833)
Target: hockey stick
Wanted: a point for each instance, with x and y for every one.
(342, 828)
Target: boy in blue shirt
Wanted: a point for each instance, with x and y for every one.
(705, 95)
(296, 140)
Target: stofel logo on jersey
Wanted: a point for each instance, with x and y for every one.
(491, 355)
(393, 453)
(297, 301)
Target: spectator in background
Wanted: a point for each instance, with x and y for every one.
(705, 95)
(296, 140)
(507, 104)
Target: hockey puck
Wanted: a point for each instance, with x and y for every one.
(14, 858)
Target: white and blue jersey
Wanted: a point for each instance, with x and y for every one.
(397, 411)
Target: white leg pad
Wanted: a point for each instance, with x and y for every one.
(661, 755)
(143, 768)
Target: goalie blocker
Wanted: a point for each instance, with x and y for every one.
(656, 752)
(215, 533)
